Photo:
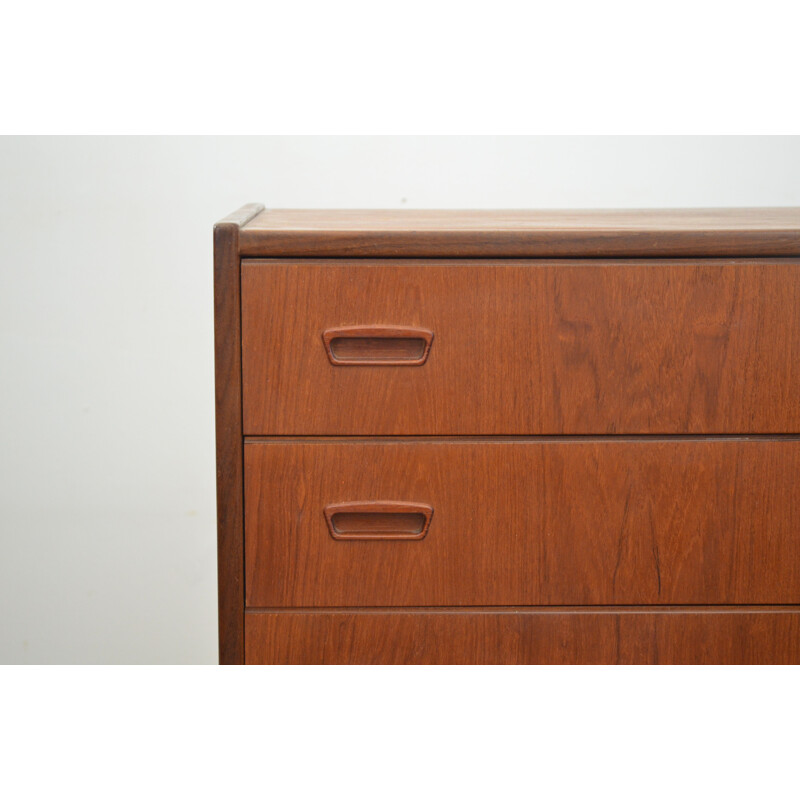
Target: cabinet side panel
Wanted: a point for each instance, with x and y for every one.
(230, 500)
(228, 401)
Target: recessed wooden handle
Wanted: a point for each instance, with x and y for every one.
(384, 345)
(378, 520)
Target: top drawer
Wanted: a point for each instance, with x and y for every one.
(520, 347)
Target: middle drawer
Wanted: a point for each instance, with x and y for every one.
(522, 522)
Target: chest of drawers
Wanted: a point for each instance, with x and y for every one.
(508, 437)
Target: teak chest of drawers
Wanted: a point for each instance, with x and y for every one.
(508, 437)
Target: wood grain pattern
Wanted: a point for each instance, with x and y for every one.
(228, 396)
(526, 636)
(529, 522)
(527, 347)
(525, 234)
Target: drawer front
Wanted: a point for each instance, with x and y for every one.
(526, 636)
(365, 347)
(527, 522)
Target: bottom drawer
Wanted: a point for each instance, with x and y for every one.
(526, 636)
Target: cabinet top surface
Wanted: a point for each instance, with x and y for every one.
(409, 220)
(534, 233)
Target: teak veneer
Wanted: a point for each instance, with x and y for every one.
(508, 437)
(525, 347)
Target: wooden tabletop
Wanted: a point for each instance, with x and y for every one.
(720, 232)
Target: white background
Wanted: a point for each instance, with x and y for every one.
(107, 509)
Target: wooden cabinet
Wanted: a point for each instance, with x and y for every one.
(508, 437)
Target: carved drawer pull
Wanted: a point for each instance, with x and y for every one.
(378, 520)
(363, 346)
